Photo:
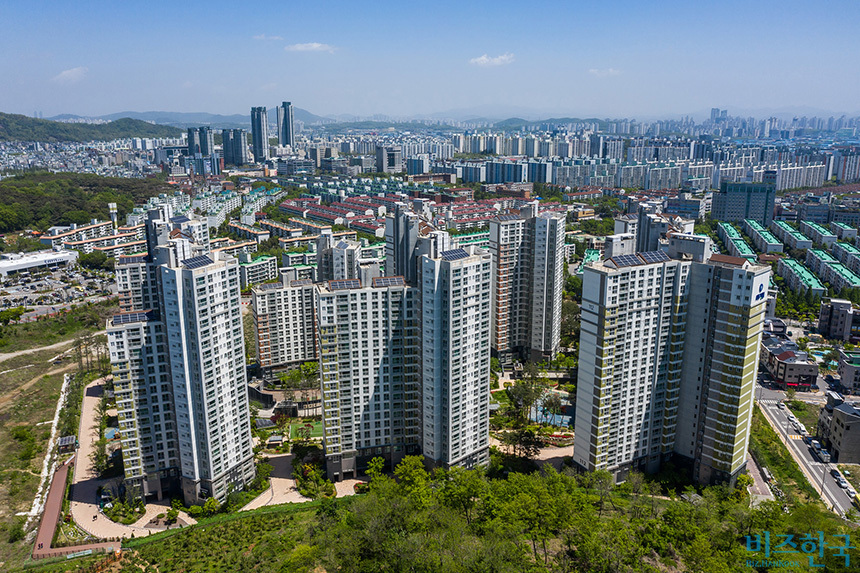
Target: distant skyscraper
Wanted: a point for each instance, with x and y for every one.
(286, 135)
(200, 140)
(260, 133)
(234, 146)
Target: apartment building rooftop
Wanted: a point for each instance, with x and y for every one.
(805, 275)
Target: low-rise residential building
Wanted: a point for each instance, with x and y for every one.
(818, 233)
(817, 259)
(843, 231)
(248, 231)
(799, 278)
(839, 429)
(848, 255)
(839, 276)
(764, 240)
(839, 320)
(790, 236)
(58, 235)
(256, 270)
(789, 366)
(849, 370)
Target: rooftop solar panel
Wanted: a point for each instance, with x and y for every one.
(301, 282)
(180, 219)
(197, 262)
(379, 282)
(626, 261)
(654, 256)
(454, 254)
(66, 441)
(130, 317)
(344, 284)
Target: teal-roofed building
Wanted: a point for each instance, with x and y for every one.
(799, 278)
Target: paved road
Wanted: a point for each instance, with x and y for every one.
(56, 346)
(816, 472)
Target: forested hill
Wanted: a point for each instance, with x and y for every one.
(38, 201)
(15, 127)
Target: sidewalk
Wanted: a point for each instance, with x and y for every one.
(51, 518)
(84, 497)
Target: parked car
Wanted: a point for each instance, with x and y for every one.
(842, 482)
(835, 473)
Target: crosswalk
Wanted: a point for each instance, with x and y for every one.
(769, 401)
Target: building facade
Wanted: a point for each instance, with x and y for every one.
(180, 366)
(668, 354)
(260, 133)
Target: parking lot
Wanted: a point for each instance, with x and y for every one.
(49, 290)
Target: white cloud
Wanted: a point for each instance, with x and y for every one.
(604, 73)
(486, 60)
(265, 37)
(71, 76)
(310, 47)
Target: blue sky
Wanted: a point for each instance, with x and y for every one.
(607, 59)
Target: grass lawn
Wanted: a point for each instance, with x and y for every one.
(250, 337)
(317, 432)
(84, 319)
(805, 412)
(24, 443)
(851, 473)
(771, 453)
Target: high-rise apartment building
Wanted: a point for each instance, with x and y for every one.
(738, 201)
(668, 354)
(286, 135)
(369, 367)
(200, 140)
(179, 365)
(285, 324)
(455, 357)
(527, 284)
(260, 133)
(234, 145)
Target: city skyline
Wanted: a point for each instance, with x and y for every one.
(79, 59)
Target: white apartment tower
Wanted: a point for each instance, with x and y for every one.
(285, 324)
(368, 340)
(527, 284)
(181, 389)
(455, 357)
(668, 354)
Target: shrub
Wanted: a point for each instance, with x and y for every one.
(16, 531)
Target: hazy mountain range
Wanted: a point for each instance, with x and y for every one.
(182, 119)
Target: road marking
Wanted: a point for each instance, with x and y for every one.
(794, 437)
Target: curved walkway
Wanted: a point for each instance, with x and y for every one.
(84, 497)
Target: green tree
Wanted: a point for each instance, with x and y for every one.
(211, 506)
(413, 480)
